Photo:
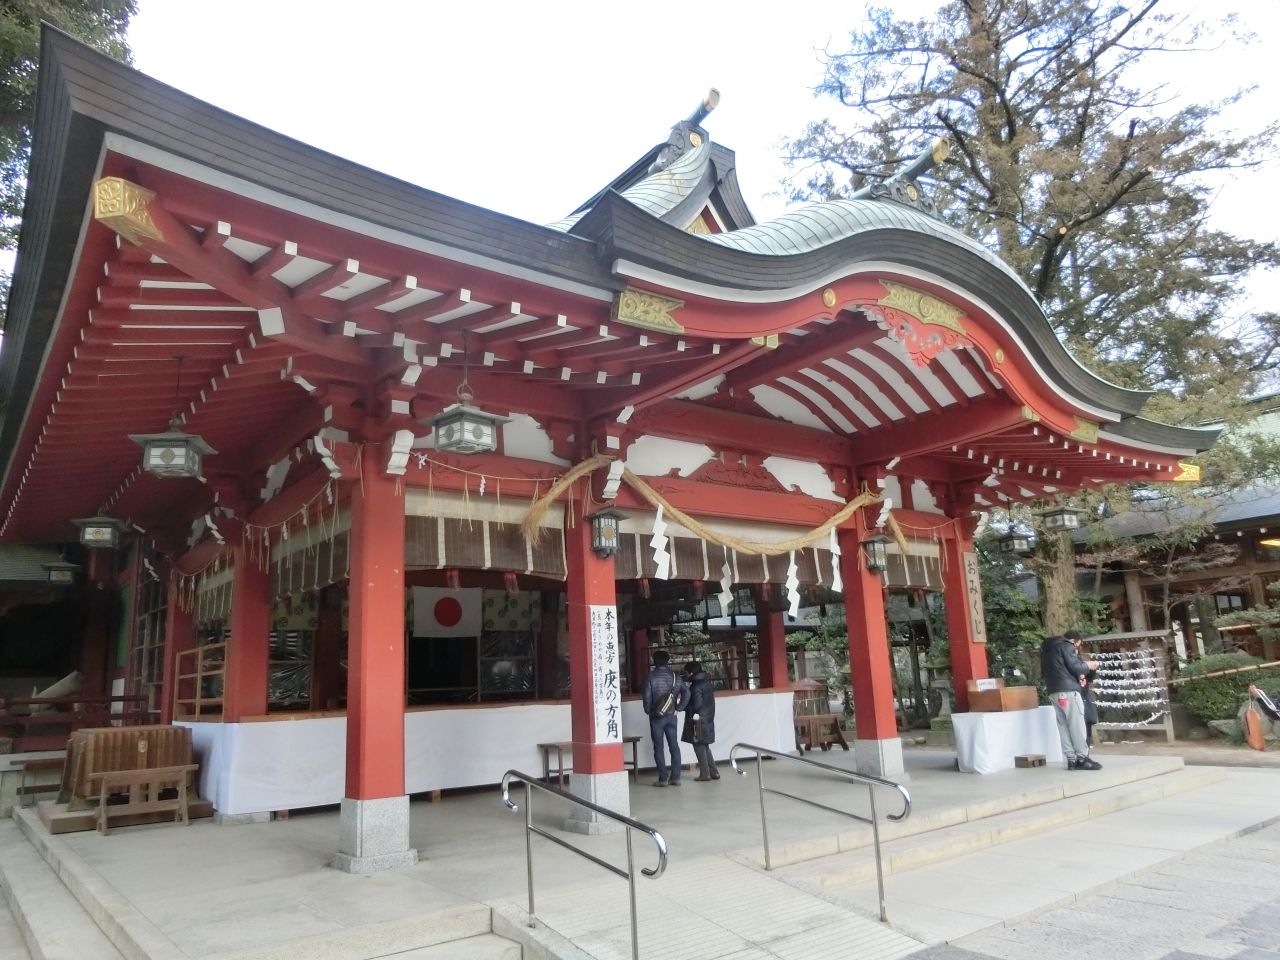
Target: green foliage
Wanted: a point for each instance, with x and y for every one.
(99, 23)
(1091, 186)
(1219, 698)
(1014, 630)
(830, 635)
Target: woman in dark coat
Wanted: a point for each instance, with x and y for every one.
(702, 709)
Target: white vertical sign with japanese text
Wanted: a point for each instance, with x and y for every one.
(606, 692)
(973, 587)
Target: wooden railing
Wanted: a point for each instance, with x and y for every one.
(192, 669)
(45, 723)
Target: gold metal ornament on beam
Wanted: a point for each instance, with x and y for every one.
(1086, 431)
(639, 308)
(925, 307)
(122, 206)
(769, 342)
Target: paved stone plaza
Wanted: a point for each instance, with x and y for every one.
(1222, 903)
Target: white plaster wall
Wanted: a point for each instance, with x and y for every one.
(658, 456)
(522, 437)
(922, 499)
(703, 389)
(892, 490)
(788, 408)
(810, 478)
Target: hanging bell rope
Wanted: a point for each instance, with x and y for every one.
(532, 525)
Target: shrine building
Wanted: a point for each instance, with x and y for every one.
(389, 488)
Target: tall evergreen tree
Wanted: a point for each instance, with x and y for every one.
(1089, 184)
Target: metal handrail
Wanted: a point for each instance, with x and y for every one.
(628, 824)
(870, 782)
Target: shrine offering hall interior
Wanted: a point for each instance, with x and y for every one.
(375, 490)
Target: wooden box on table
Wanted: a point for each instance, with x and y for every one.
(997, 698)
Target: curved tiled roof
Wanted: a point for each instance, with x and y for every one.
(661, 192)
(821, 224)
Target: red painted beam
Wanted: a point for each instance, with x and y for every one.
(122, 298)
(848, 333)
(980, 421)
(727, 360)
(701, 423)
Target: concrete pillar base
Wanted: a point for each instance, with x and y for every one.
(374, 836)
(236, 819)
(610, 790)
(880, 758)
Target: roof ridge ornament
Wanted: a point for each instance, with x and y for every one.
(903, 187)
(686, 134)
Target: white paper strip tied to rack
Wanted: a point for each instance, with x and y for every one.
(1130, 689)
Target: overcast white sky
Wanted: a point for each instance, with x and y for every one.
(529, 108)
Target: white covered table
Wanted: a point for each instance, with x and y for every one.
(988, 742)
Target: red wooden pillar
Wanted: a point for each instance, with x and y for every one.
(326, 677)
(179, 635)
(966, 628)
(598, 774)
(877, 750)
(244, 692)
(771, 639)
(375, 811)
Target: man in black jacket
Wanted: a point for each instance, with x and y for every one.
(1062, 670)
(663, 695)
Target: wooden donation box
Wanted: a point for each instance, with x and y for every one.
(130, 775)
(992, 696)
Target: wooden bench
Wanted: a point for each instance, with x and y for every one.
(564, 745)
(820, 731)
(144, 788)
(36, 766)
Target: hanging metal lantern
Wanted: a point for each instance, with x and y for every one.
(464, 428)
(1061, 518)
(100, 531)
(605, 537)
(173, 453)
(60, 573)
(877, 552)
(1016, 543)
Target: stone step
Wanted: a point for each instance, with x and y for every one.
(53, 925)
(921, 822)
(137, 938)
(12, 946)
(906, 853)
(487, 946)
